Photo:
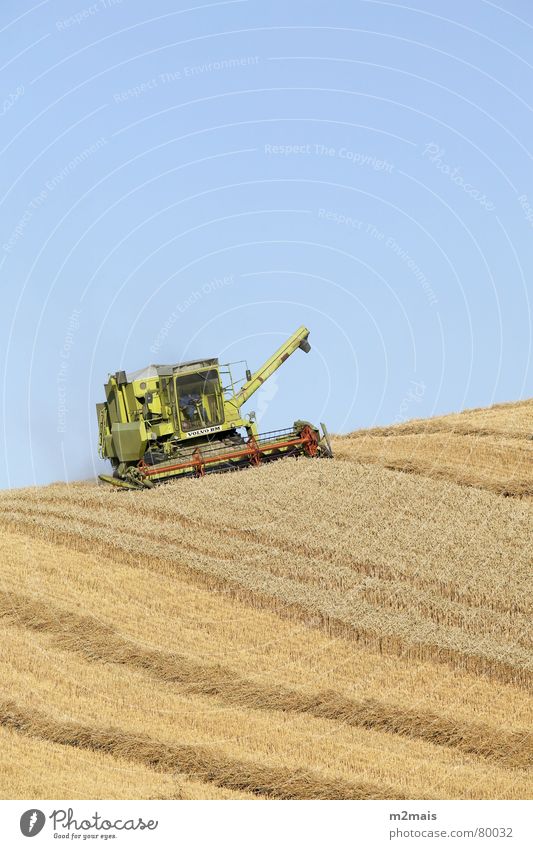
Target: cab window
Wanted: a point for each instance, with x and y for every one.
(199, 400)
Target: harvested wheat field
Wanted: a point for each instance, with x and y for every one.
(309, 629)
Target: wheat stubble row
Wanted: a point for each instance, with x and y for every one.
(111, 700)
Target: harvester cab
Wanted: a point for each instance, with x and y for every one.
(166, 421)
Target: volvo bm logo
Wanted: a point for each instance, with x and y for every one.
(32, 822)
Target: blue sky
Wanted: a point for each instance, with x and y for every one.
(201, 179)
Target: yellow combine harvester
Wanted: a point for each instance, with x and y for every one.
(167, 421)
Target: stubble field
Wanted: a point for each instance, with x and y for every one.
(355, 628)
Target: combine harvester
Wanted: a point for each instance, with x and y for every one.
(167, 421)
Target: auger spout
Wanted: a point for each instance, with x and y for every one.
(297, 340)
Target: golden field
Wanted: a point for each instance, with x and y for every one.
(310, 629)
(489, 448)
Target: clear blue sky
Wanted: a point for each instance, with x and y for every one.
(182, 180)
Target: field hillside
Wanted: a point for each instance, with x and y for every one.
(488, 448)
(356, 628)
